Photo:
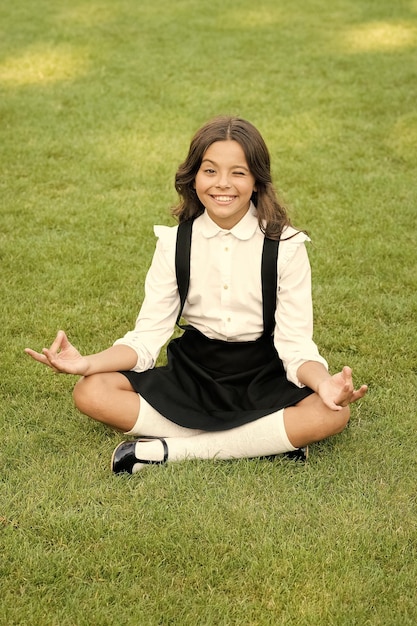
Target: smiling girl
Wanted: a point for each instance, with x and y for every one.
(245, 379)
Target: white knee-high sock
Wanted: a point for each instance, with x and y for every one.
(263, 437)
(152, 424)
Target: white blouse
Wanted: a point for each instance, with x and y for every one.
(225, 294)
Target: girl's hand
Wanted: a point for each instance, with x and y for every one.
(338, 391)
(62, 356)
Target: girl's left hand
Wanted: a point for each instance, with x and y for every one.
(338, 390)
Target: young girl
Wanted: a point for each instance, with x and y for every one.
(245, 379)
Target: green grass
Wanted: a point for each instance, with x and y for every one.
(98, 101)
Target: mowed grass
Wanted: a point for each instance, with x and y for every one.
(98, 103)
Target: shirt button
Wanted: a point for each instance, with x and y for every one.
(226, 249)
(225, 286)
(229, 319)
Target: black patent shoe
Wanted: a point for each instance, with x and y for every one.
(300, 454)
(124, 458)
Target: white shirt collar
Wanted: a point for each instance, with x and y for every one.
(244, 229)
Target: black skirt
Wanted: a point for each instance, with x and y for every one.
(215, 385)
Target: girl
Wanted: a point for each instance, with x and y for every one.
(245, 379)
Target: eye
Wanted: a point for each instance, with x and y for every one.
(209, 170)
(239, 173)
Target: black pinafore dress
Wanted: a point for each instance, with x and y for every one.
(215, 385)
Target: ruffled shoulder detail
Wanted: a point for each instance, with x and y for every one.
(291, 240)
(167, 235)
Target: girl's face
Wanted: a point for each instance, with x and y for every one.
(224, 183)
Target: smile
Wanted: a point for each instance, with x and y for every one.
(223, 198)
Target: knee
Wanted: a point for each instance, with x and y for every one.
(87, 394)
(338, 420)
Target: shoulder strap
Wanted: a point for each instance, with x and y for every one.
(269, 283)
(268, 273)
(182, 261)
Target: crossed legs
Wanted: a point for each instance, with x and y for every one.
(109, 398)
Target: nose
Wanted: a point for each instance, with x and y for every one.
(223, 182)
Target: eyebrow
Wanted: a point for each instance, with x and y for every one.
(243, 167)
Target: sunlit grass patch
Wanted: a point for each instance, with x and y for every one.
(44, 64)
(380, 36)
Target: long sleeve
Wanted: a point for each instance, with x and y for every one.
(157, 316)
(294, 313)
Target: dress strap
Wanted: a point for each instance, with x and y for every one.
(182, 262)
(268, 273)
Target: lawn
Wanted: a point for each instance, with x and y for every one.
(98, 102)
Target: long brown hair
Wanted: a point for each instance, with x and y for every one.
(272, 216)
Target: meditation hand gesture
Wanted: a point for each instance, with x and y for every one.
(338, 391)
(62, 356)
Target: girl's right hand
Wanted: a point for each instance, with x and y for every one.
(62, 356)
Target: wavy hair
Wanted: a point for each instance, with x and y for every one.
(272, 216)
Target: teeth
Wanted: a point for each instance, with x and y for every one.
(224, 198)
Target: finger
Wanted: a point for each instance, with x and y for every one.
(357, 395)
(64, 342)
(38, 357)
(35, 355)
(51, 358)
(54, 363)
(58, 341)
(30, 352)
(332, 405)
(347, 373)
(344, 394)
